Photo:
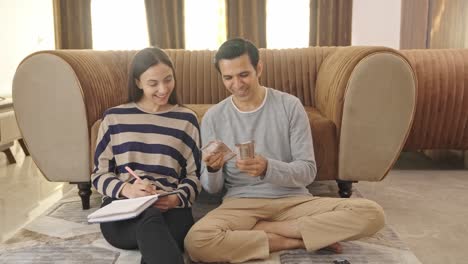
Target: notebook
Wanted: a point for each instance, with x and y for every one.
(124, 209)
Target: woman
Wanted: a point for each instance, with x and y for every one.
(159, 140)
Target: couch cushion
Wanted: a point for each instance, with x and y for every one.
(325, 144)
(199, 109)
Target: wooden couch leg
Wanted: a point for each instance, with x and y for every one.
(84, 190)
(345, 188)
(465, 159)
(10, 158)
(23, 146)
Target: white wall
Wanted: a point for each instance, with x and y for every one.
(376, 23)
(27, 26)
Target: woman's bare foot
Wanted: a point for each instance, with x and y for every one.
(335, 248)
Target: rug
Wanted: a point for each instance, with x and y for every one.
(62, 235)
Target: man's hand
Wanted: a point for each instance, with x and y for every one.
(214, 161)
(167, 202)
(138, 189)
(254, 167)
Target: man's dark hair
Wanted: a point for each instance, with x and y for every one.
(234, 48)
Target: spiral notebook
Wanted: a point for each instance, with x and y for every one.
(124, 209)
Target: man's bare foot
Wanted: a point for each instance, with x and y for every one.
(279, 231)
(335, 248)
(277, 242)
(287, 228)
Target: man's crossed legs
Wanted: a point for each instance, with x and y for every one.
(241, 229)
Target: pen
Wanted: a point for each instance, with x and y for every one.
(137, 177)
(132, 173)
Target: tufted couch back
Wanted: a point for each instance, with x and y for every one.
(441, 118)
(106, 73)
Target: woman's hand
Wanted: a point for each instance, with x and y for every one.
(139, 188)
(167, 202)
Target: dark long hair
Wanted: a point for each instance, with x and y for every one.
(142, 61)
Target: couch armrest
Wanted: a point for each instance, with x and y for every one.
(370, 94)
(57, 96)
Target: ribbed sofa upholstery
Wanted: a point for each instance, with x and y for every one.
(360, 102)
(441, 118)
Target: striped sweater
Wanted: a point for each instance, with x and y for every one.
(162, 147)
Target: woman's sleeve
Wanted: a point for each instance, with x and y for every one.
(190, 185)
(103, 176)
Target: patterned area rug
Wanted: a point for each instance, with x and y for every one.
(62, 235)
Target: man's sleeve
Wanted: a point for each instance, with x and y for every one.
(301, 171)
(212, 182)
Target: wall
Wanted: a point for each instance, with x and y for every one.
(27, 26)
(376, 22)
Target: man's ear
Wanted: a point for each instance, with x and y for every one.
(259, 68)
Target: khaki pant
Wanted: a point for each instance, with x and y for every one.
(225, 234)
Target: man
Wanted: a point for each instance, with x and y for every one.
(267, 206)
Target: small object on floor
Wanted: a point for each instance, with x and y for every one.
(341, 261)
(334, 248)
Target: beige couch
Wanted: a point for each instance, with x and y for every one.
(360, 102)
(441, 117)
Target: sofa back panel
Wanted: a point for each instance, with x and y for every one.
(293, 70)
(106, 72)
(198, 82)
(441, 118)
(290, 70)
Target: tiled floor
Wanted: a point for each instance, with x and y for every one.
(24, 192)
(425, 202)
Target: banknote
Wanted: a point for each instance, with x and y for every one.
(217, 146)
